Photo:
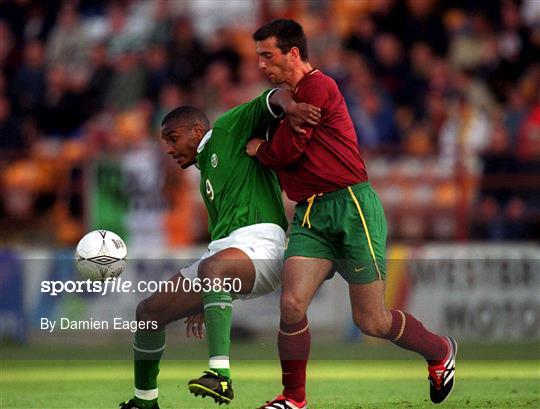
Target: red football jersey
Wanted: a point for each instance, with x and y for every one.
(327, 157)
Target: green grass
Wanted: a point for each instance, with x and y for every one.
(354, 383)
(340, 376)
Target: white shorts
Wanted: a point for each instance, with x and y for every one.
(264, 243)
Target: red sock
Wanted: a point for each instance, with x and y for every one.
(293, 344)
(409, 333)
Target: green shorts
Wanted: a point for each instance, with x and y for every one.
(346, 226)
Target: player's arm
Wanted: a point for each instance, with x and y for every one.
(249, 118)
(287, 146)
(299, 114)
(268, 106)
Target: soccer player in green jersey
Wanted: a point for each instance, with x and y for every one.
(247, 226)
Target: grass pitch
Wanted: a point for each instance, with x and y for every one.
(332, 384)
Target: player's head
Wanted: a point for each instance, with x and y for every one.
(281, 45)
(182, 129)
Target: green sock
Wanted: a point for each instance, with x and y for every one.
(147, 351)
(218, 319)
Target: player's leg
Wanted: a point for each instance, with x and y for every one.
(222, 267)
(301, 278)
(364, 228)
(307, 264)
(161, 308)
(405, 331)
(374, 319)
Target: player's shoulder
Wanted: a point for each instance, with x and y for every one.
(317, 80)
(223, 121)
(318, 76)
(316, 83)
(230, 120)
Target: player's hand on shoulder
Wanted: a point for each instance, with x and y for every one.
(301, 115)
(253, 146)
(195, 326)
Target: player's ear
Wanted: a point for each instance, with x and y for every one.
(294, 52)
(199, 130)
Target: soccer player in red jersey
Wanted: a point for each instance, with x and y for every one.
(339, 223)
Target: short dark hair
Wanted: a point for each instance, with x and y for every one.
(288, 34)
(186, 115)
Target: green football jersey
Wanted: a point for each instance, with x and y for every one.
(237, 190)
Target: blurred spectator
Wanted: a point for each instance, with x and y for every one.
(488, 223)
(162, 22)
(211, 15)
(7, 49)
(28, 87)
(11, 136)
(470, 38)
(251, 82)
(419, 141)
(516, 225)
(121, 36)
(3, 85)
(423, 23)
(464, 134)
(128, 83)
(529, 137)
(39, 19)
(374, 121)
(421, 57)
(436, 113)
(323, 39)
(63, 108)
(222, 50)
(473, 90)
(440, 78)
(515, 114)
(67, 43)
(100, 77)
(362, 37)
(509, 52)
(186, 54)
(501, 190)
(217, 89)
(530, 12)
(498, 159)
(157, 70)
(388, 15)
(392, 69)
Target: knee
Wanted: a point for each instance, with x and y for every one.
(145, 312)
(293, 308)
(209, 269)
(373, 325)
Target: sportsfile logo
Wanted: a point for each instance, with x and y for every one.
(118, 285)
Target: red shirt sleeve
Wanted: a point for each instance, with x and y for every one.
(287, 146)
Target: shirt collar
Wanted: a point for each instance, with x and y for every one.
(204, 141)
(313, 71)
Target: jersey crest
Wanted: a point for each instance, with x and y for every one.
(214, 160)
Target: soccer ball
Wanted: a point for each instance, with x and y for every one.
(101, 254)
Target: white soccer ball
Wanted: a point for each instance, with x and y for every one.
(101, 254)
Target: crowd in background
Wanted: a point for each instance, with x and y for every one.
(457, 82)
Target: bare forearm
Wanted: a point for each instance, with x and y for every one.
(281, 98)
(300, 115)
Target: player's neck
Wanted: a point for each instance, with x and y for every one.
(298, 73)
